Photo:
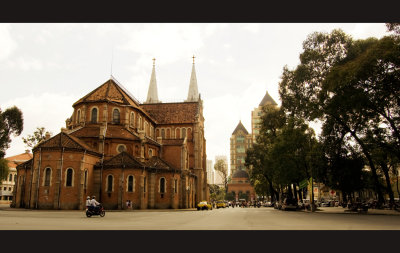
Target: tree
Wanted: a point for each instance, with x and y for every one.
(3, 169)
(38, 136)
(11, 122)
(221, 167)
(350, 85)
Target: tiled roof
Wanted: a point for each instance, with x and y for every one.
(170, 113)
(13, 161)
(113, 131)
(240, 127)
(111, 91)
(123, 159)
(63, 140)
(158, 163)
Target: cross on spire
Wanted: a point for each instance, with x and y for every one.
(154, 61)
(193, 58)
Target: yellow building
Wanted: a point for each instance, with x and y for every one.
(256, 115)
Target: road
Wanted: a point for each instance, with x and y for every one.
(217, 219)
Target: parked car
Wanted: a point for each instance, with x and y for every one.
(204, 205)
(268, 204)
(221, 204)
(289, 204)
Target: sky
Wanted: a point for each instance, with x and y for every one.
(45, 67)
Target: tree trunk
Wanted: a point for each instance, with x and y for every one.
(388, 184)
(295, 192)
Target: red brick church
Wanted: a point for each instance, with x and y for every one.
(119, 149)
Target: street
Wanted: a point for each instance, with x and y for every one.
(217, 219)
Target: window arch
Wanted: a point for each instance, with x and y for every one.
(47, 177)
(146, 128)
(150, 152)
(130, 184)
(163, 133)
(162, 185)
(94, 115)
(10, 177)
(183, 133)
(69, 180)
(140, 123)
(177, 133)
(15, 177)
(110, 183)
(78, 116)
(132, 120)
(116, 116)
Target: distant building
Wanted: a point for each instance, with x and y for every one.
(210, 172)
(7, 186)
(256, 115)
(240, 142)
(240, 186)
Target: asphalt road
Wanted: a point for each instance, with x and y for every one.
(217, 219)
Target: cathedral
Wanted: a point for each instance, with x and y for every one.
(118, 149)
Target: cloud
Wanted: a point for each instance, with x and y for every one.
(48, 110)
(7, 43)
(26, 64)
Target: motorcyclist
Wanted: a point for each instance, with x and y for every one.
(88, 202)
(94, 203)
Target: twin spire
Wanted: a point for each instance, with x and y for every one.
(152, 94)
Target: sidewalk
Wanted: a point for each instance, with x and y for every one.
(341, 210)
(6, 207)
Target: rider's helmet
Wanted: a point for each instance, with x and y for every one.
(87, 197)
(93, 197)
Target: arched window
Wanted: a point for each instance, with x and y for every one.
(131, 184)
(163, 133)
(150, 152)
(47, 176)
(116, 118)
(15, 177)
(162, 185)
(78, 117)
(146, 128)
(109, 183)
(177, 133)
(183, 133)
(10, 178)
(69, 175)
(94, 115)
(140, 123)
(132, 120)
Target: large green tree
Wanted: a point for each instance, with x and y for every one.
(352, 85)
(11, 122)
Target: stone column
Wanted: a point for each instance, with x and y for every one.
(141, 192)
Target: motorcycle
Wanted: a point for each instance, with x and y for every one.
(99, 210)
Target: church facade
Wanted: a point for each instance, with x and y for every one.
(117, 149)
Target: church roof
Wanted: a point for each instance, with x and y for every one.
(240, 174)
(193, 93)
(111, 91)
(112, 132)
(158, 163)
(267, 100)
(240, 127)
(123, 159)
(63, 140)
(170, 113)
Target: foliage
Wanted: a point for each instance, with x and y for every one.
(216, 192)
(3, 169)
(11, 122)
(38, 135)
(222, 168)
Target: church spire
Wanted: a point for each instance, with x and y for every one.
(193, 94)
(152, 94)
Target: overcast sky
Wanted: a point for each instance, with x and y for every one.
(45, 68)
